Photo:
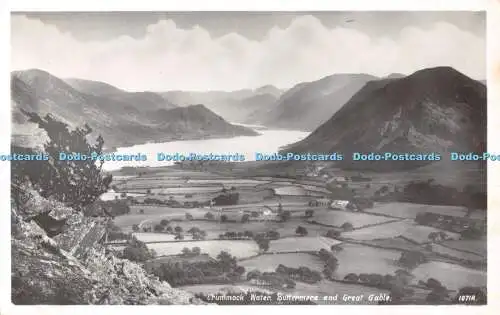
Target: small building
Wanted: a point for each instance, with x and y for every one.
(325, 202)
(342, 205)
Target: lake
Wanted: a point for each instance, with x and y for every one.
(268, 141)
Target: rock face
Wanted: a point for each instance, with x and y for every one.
(72, 268)
(122, 118)
(432, 110)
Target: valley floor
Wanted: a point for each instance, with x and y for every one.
(378, 238)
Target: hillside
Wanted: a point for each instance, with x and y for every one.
(432, 110)
(307, 105)
(122, 118)
(139, 100)
(200, 120)
(72, 268)
(236, 106)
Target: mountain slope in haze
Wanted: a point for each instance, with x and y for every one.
(432, 110)
(123, 119)
(235, 106)
(139, 100)
(307, 105)
(197, 118)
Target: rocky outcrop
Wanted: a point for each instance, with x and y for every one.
(72, 268)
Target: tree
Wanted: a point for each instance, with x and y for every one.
(411, 259)
(209, 216)
(186, 251)
(135, 227)
(196, 251)
(245, 218)
(148, 191)
(178, 229)
(351, 277)
(254, 274)
(164, 222)
(226, 260)
(285, 216)
(179, 236)
(263, 244)
(169, 229)
(158, 228)
(73, 182)
(272, 234)
(137, 251)
(141, 211)
(302, 231)
(248, 234)
(332, 234)
(123, 195)
(189, 217)
(347, 227)
(223, 218)
(309, 213)
(254, 214)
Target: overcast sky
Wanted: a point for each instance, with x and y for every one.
(229, 51)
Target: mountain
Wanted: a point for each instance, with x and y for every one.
(122, 118)
(140, 100)
(197, 118)
(307, 105)
(235, 106)
(432, 110)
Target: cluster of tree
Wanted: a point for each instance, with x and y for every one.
(271, 279)
(303, 274)
(195, 251)
(108, 208)
(332, 234)
(411, 259)
(347, 226)
(197, 233)
(285, 215)
(226, 199)
(331, 263)
(467, 230)
(161, 202)
(428, 192)
(137, 251)
(224, 269)
(209, 216)
(301, 231)
(75, 183)
(309, 213)
(437, 236)
(115, 233)
(248, 299)
(236, 235)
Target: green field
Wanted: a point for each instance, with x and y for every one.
(301, 244)
(240, 249)
(451, 276)
(364, 259)
(456, 253)
(475, 246)
(269, 263)
(407, 229)
(337, 217)
(411, 210)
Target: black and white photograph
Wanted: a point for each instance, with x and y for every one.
(248, 158)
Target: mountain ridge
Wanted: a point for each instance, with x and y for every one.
(435, 109)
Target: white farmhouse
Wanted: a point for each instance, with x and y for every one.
(340, 204)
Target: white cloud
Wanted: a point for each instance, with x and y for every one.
(170, 58)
